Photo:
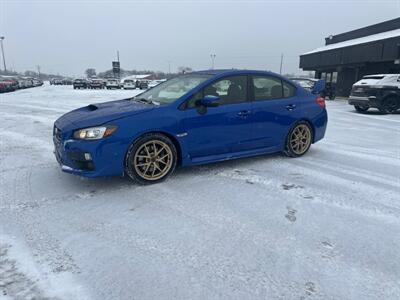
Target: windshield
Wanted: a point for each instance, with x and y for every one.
(169, 91)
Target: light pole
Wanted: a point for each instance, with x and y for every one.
(2, 52)
(169, 67)
(212, 60)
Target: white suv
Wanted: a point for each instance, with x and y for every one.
(129, 84)
(112, 84)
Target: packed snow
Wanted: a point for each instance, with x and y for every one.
(323, 226)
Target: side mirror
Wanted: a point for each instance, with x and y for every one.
(209, 101)
(319, 86)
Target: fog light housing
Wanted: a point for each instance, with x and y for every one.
(88, 156)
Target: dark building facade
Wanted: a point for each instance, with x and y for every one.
(348, 56)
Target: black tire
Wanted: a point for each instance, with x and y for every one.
(132, 168)
(389, 105)
(332, 96)
(290, 147)
(360, 108)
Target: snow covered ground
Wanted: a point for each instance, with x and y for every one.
(324, 226)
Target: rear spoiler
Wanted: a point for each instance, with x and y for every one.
(319, 86)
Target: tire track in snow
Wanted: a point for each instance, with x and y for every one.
(386, 212)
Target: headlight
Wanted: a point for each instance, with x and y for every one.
(94, 133)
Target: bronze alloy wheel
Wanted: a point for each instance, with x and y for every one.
(153, 160)
(300, 139)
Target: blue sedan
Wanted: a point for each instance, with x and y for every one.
(195, 118)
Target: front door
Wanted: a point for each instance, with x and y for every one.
(223, 129)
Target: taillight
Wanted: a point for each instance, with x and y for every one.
(320, 101)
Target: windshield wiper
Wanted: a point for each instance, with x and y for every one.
(147, 101)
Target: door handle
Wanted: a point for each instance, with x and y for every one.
(290, 106)
(243, 113)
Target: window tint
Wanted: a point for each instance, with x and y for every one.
(267, 87)
(288, 90)
(230, 90)
(192, 101)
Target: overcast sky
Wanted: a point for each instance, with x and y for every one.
(68, 37)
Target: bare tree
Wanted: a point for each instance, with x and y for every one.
(90, 72)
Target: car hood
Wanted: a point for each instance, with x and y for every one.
(100, 113)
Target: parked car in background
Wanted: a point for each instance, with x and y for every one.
(128, 84)
(67, 81)
(37, 82)
(308, 83)
(192, 119)
(112, 84)
(143, 85)
(80, 83)
(96, 84)
(29, 82)
(58, 81)
(381, 91)
(8, 85)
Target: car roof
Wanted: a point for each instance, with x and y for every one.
(227, 72)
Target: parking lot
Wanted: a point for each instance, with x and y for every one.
(323, 226)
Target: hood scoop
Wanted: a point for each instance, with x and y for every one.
(92, 107)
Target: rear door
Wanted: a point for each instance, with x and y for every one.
(275, 109)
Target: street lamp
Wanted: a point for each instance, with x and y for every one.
(212, 60)
(2, 52)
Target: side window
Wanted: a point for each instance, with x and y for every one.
(192, 101)
(230, 90)
(267, 87)
(288, 90)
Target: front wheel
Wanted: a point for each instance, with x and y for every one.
(151, 159)
(298, 140)
(361, 108)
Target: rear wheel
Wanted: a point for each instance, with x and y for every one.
(389, 105)
(361, 108)
(151, 159)
(298, 140)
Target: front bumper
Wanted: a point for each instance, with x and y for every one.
(371, 101)
(89, 158)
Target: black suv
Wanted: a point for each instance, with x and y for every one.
(377, 91)
(80, 84)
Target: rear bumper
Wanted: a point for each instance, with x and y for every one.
(364, 101)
